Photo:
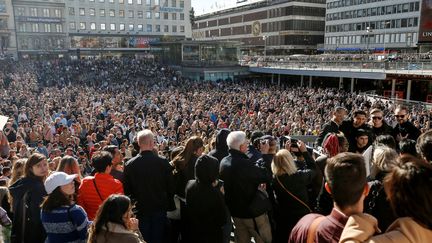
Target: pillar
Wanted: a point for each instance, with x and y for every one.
(278, 79)
(408, 96)
(310, 81)
(393, 88)
(272, 80)
(341, 83)
(301, 80)
(352, 85)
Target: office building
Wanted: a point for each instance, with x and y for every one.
(7, 30)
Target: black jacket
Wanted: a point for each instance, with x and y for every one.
(148, 182)
(206, 212)
(181, 177)
(406, 128)
(34, 191)
(350, 132)
(221, 150)
(242, 178)
(385, 129)
(329, 127)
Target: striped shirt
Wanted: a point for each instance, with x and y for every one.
(65, 224)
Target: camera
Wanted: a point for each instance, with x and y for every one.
(293, 141)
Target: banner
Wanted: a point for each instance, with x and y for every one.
(425, 33)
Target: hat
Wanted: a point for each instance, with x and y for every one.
(57, 179)
(256, 135)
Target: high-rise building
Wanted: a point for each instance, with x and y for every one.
(272, 27)
(7, 30)
(372, 25)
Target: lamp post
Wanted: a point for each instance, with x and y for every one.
(265, 46)
(368, 30)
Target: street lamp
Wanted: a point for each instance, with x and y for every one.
(368, 30)
(265, 46)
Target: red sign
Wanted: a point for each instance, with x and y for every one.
(425, 34)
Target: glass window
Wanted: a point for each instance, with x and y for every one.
(112, 27)
(130, 13)
(131, 27)
(165, 15)
(72, 25)
(20, 11)
(82, 11)
(101, 1)
(33, 12)
(148, 15)
(91, 1)
(156, 2)
(140, 14)
(174, 28)
(35, 27)
(112, 13)
(139, 1)
(102, 26)
(121, 13)
(148, 2)
(92, 11)
(82, 25)
(157, 15)
(130, 1)
(122, 27)
(182, 29)
(121, 1)
(173, 3)
(149, 28)
(181, 16)
(181, 4)
(93, 26)
(166, 28)
(102, 12)
(174, 16)
(57, 13)
(71, 11)
(47, 28)
(157, 28)
(140, 27)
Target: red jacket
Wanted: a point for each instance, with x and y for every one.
(89, 199)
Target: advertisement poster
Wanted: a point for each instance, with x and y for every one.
(425, 34)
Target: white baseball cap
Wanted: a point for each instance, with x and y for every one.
(57, 179)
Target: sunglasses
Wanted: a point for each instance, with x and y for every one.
(376, 118)
(400, 116)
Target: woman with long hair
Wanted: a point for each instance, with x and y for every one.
(27, 195)
(17, 170)
(291, 188)
(70, 166)
(63, 220)
(114, 222)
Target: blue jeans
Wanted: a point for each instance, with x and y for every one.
(153, 227)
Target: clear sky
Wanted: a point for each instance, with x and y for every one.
(207, 6)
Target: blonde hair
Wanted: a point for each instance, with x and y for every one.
(384, 159)
(17, 171)
(283, 163)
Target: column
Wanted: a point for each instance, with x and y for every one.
(301, 80)
(393, 89)
(310, 81)
(352, 85)
(278, 79)
(341, 83)
(272, 80)
(408, 96)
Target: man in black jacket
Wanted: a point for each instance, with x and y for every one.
(149, 183)
(379, 126)
(242, 180)
(332, 126)
(221, 150)
(404, 128)
(350, 127)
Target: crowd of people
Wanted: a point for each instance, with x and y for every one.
(127, 150)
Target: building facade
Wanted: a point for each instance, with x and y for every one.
(7, 30)
(372, 25)
(40, 27)
(272, 27)
(119, 26)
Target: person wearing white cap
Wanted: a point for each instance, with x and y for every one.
(63, 220)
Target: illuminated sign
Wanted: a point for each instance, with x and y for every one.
(425, 34)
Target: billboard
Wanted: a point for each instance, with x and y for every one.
(425, 33)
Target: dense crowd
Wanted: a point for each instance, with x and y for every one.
(80, 134)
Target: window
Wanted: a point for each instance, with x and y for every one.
(33, 12)
(165, 15)
(181, 4)
(47, 28)
(112, 13)
(102, 26)
(131, 27)
(112, 27)
(35, 27)
(92, 12)
(156, 2)
(148, 15)
(21, 27)
(93, 26)
(20, 11)
(157, 28)
(72, 25)
(130, 1)
(122, 27)
(181, 16)
(82, 25)
(111, 1)
(102, 12)
(174, 28)
(101, 1)
(139, 1)
(71, 11)
(166, 28)
(182, 28)
(157, 15)
(82, 11)
(140, 27)
(57, 13)
(148, 2)
(173, 3)
(121, 1)
(121, 13)
(92, 1)
(140, 14)
(130, 13)
(174, 16)
(149, 28)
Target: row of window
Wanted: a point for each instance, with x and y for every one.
(140, 2)
(39, 12)
(408, 38)
(121, 13)
(346, 3)
(385, 24)
(122, 27)
(375, 11)
(40, 27)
